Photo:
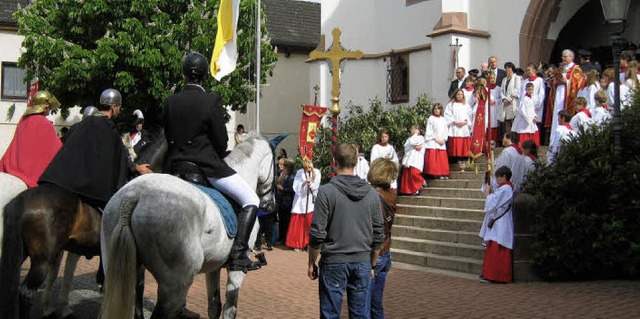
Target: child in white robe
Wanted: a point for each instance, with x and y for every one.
(413, 163)
(386, 150)
(362, 167)
(601, 114)
(458, 116)
(436, 162)
(525, 121)
(564, 132)
(582, 120)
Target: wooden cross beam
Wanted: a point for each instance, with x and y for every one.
(335, 55)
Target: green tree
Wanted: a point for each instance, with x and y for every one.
(79, 48)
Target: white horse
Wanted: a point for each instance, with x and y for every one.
(176, 231)
(12, 186)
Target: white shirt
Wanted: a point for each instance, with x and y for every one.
(436, 128)
(386, 151)
(497, 204)
(458, 112)
(303, 201)
(589, 93)
(412, 156)
(601, 116)
(511, 158)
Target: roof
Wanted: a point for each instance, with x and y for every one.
(7, 8)
(293, 23)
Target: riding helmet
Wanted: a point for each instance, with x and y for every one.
(195, 66)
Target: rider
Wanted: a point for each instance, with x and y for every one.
(195, 129)
(35, 142)
(92, 162)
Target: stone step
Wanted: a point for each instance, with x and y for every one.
(458, 264)
(438, 247)
(453, 192)
(441, 212)
(469, 238)
(456, 183)
(438, 223)
(482, 167)
(469, 203)
(466, 175)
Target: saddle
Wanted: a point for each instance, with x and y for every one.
(190, 172)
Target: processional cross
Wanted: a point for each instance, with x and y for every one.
(335, 55)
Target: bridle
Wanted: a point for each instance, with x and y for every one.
(272, 172)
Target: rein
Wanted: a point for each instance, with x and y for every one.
(274, 180)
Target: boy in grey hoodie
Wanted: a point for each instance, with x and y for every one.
(348, 230)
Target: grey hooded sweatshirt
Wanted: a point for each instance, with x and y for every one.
(347, 224)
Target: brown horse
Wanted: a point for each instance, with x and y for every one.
(40, 223)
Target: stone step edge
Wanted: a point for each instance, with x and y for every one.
(457, 220)
(437, 242)
(447, 198)
(437, 271)
(432, 255)
(452, 189)
(470, 210)
(470, 233)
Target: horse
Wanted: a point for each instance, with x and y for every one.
(174, 230)
(40, 223)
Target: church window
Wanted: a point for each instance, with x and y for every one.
(13, 85)
(398, 79)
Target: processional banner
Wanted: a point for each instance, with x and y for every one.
(311, 118)
(479, 134)
(33, 89)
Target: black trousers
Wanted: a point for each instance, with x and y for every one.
(266, 229)
(284, 217)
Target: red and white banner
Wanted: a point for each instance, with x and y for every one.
(33, 89)
(311, 117)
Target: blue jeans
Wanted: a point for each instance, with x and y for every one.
(335, 279)
(376, 289)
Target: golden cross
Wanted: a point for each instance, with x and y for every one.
(335, 56)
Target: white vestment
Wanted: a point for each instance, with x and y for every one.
(511, 158)
(525, 115)
(538, 94)
(558, 103)
(563, 133)
(496, 205)
(436, 128)
(580, 121)
(625, 96)
(386, 151)
(362, 168)
(496, 108)
(589, 93)
(601, 116)
(412, 156)
(458, 112)
(304, 198)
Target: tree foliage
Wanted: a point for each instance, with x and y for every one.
(587, 226)
(361, 126)
(79, 48)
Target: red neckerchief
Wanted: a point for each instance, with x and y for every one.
(517, 147)
(491, 86)
(585, 111)
(469, 89)
(132, 135)
(606, 107)
(436, 115)
(533, 78)
(529, 95)
(505, 183)
(623, 69)
(567, 125)
(532, 157)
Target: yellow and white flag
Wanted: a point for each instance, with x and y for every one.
(225, 51)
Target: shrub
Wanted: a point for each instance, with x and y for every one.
(587, 226)
(359, 125)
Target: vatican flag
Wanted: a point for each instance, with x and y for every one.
(225, 51)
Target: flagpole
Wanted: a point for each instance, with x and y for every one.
(258, 36)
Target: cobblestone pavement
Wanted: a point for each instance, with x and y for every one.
(282, 290)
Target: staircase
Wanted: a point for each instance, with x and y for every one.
(438, 230)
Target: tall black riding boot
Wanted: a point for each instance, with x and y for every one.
(238, 259)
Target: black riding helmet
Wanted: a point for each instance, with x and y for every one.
(195, 66)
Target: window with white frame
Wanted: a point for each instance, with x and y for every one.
(13, 85)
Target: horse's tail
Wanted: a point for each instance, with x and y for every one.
(12, 257)
(120, 276)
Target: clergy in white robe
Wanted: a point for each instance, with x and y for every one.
(566, 87)
(497, 230)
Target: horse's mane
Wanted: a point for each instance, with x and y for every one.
(243, 150)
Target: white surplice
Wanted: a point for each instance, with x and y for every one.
(362, 168)
(537, 96)
(436, 128)
(495, 205)
(563, 133)
(413, 157)
(386, 151)
(458, 112)
(525, 115)
(303, 201)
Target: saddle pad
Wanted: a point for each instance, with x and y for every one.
(229, 218)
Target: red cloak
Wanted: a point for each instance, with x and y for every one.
(34, 145)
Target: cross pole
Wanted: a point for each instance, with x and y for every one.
(335, 55)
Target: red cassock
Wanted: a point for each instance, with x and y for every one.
(530, 136)
(436, 162)
(497, 264)
(411, 180)
(34, 145)
(298, 232)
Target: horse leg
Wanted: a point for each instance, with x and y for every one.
(172, 294)
(234, 282)
(69, 271)
(213, 294)
(139, 310)
(48, 302)
(40, 267)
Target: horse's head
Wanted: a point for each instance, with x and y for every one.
(254, 160)
(153, 152)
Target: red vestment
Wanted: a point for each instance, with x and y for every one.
(576, 83)
(411, 180)
(34, 145)
(479, 134)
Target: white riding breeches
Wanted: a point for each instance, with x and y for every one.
(237, 188)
